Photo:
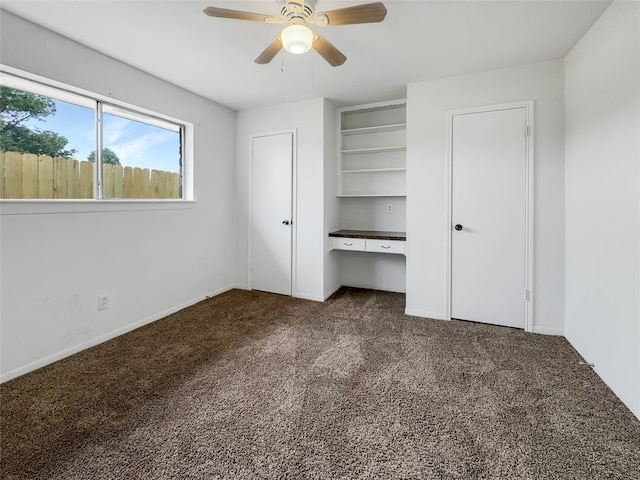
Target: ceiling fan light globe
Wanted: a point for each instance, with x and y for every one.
(297, 39)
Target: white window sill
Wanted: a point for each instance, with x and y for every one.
(43, 207)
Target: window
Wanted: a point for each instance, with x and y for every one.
(141, 156)
(56, 144)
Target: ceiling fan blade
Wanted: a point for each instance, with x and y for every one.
(271, 51)
(330, 53)
(368, 13)
(238, 15)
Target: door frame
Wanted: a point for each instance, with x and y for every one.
(529, 201)
(294, 207)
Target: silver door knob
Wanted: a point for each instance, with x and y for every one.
(458, 227)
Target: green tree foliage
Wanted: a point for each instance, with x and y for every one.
(18, 107)
(108, 156)
(24, 140)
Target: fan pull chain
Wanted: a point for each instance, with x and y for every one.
(282, 64)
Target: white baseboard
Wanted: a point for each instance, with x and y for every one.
(331, 291)
(416, 312)
(384, 288)
(549, 331)
(302, 295)
(308, 296)
(5, 377)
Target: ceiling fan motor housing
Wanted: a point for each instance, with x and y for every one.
(295, 13)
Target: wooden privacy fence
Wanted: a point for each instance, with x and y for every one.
(25, 175)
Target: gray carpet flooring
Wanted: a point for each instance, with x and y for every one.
(249, 385)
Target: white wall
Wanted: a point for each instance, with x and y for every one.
(603, 199)
(371, 213)
(54, 265)
(378, 271)
(307, 119)
(427, 103)
(331, 203)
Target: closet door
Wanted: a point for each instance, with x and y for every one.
(271, 213)
(488, 237)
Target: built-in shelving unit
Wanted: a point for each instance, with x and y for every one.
(372, 150)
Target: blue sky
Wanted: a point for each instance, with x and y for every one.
(136, 144)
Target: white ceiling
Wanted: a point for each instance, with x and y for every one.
(418, 40)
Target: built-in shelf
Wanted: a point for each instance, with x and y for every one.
(373, 141)
(374, 195)
(376, 170)
(393, 148)
(377, 129)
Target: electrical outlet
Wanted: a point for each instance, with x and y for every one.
(103, 302)
(389, 208)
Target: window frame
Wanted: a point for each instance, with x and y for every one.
(25, 81)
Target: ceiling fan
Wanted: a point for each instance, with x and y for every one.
(297, 37)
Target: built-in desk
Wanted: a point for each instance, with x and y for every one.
(368, 241)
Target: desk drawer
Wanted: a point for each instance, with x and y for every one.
(342, 243)
(385, 246)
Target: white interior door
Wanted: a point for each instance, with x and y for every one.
(488, 202)
(271, 213)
